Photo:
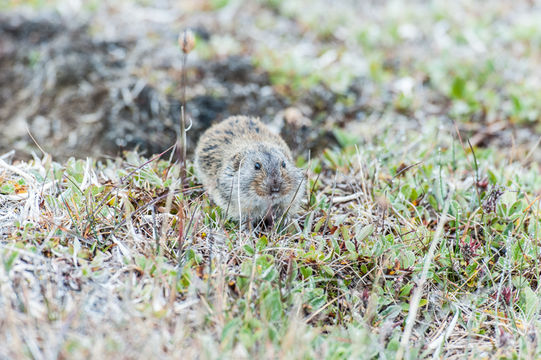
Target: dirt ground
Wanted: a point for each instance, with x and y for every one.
(109, 79)
(74, 93)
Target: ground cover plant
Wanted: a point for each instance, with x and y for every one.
(419, 236)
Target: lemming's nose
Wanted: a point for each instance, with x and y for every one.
(275, 185)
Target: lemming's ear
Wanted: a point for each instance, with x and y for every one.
(235, 160)
(286, 154)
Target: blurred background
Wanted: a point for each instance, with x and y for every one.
(93, 78)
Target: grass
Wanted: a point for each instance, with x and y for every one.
(415, 241)
(91, 257)
(453, 49)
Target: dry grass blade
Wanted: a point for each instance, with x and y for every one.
(418, 292)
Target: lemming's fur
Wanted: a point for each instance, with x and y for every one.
(248, 170)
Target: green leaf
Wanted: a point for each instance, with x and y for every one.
(458, 88)
(406, 289)
(407, 259)
(8, 262)
(517, 105)
(351, 247)
(345, 138)
(406, 191)
(218, 4)
(364, 268)
(7, 188)
(306, 271)
(516, 208)
(344, 230)
(364, 232)
(249, 249)
(271, 306)
(270, 273)
(531, 301)
(327, 270)
(262, 243)
(393, 345)
(316, 298)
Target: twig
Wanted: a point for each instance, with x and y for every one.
(186, 41)
(122, 180)
(330, 205)
(17, 171)
(477, 179)
(308, 319)
(406, 169)
(530, 153)
(347, 198)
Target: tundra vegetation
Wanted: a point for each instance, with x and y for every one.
(420, 233)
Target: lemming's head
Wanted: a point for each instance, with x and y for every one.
(265, 171)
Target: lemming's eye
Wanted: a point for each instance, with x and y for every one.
(257, 166)
(283, 164)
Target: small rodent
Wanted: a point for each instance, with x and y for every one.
(247, 170)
